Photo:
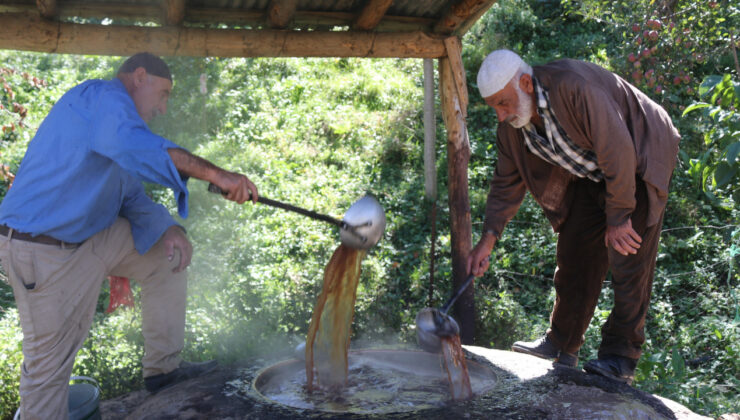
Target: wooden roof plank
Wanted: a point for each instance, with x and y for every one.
(218, 16)
(32, 33)
(88, 10)
(372, 14)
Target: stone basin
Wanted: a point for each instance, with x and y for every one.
(379, 382)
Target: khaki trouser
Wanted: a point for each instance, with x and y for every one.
(56, 292)
(583, 261)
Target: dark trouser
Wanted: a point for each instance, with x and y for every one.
(583, 260)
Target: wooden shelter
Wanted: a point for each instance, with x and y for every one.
(426, 29)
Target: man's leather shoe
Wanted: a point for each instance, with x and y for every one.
(186, 370)
(545, 349)
(612, 366)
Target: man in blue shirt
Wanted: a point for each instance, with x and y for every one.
(78, 212)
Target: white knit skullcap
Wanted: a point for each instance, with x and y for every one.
(497, 70)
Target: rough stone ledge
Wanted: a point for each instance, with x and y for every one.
(528, 388)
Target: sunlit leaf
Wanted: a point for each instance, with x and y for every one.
(695, 106)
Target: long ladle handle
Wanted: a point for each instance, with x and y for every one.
(312, 214)
(459, 292)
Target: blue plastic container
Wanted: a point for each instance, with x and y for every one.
(84, 400)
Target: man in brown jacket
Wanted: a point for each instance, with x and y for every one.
(597, 155)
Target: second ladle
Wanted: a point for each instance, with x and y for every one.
(433, 323)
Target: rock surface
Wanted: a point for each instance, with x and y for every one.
(528, 388)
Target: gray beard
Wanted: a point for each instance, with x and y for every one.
(523, 110)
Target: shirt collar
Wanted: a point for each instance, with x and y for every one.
(542, 104)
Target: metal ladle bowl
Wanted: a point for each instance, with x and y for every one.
(433, 323)
(364, 223)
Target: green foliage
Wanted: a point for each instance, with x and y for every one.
(10, 361)
(718, 168)
(663, 48)
(114, 348)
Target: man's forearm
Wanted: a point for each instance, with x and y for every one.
(193, 166)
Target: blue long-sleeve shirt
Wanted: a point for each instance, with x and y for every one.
(85, 166)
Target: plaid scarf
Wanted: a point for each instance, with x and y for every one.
(557, 148)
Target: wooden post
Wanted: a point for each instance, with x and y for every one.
(430, 165)
(458, 155)
(430, 132)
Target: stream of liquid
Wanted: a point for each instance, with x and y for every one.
(329, 333)
(327, 343)
(457, 369)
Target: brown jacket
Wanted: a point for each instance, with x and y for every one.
(629, 133)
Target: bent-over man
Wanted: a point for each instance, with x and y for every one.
(597, 155)
(78, 212)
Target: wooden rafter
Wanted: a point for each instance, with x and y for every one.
(31, 33)
(372, 14)
(47, 8)
(461, 16)
(174, 11)
(281, 12)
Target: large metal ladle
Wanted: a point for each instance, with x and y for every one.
(361, 228)
(433, 323)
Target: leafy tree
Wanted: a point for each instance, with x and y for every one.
(718, 169)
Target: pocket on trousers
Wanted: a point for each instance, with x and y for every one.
(21, 268)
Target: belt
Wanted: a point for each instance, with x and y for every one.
(39, 239)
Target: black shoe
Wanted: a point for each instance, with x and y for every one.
(543, 348)
(567, 359)
(187, 370)
(612, 366)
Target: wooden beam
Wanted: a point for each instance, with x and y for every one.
(174, 11)
(47, 8)
(31, 33)
(371, 14)
(458, 156)
(461, 16)
(281, 12)
(454, 53)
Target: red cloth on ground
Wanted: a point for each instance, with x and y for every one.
(120, 293)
